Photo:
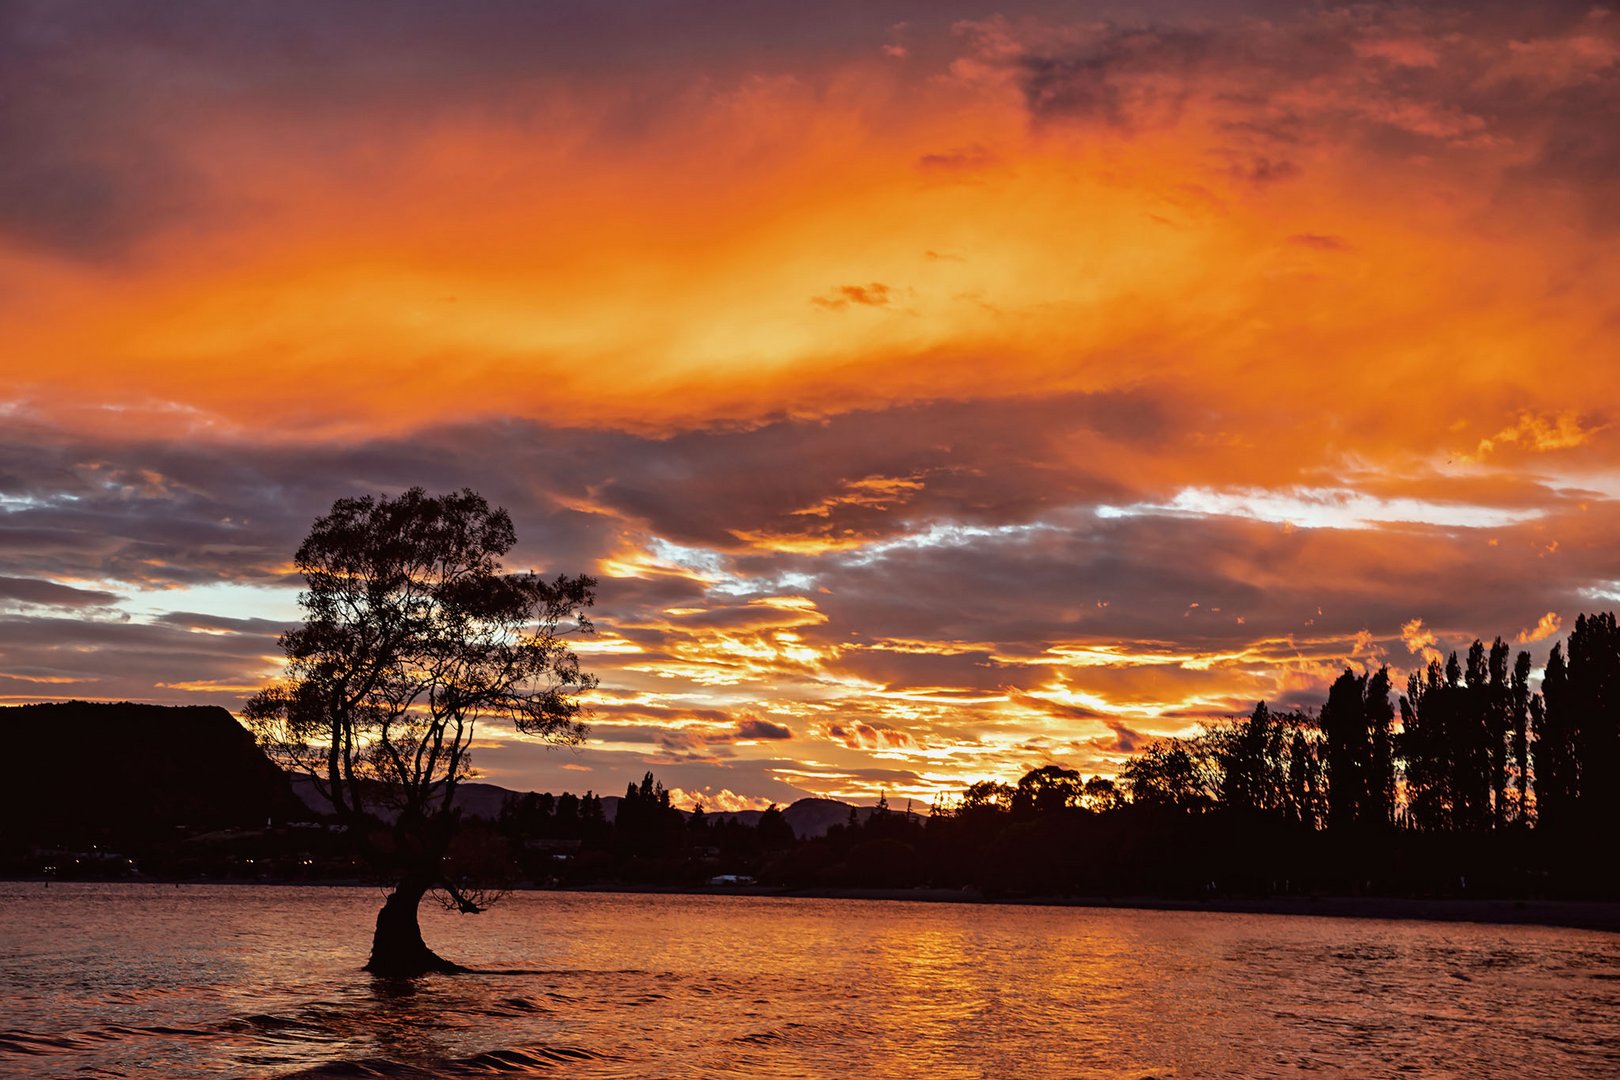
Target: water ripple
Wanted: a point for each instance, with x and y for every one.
(123, 980)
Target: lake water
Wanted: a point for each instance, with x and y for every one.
(159, 981)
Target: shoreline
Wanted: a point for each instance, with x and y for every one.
(1595, 915)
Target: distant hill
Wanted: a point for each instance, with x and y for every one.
(86, 772)
(83, 770)
(474, 799)
(808, 818)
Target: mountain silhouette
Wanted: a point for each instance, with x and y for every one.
(97, 770)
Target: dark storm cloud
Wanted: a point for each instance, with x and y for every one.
(219, 624)
(980, 461)
(114, 659)
(875, 294)
(99, 99)
(1210, 585)
(1401, 81)
(1580, 155)
(1126, 739)
(971, 671)
(50, 594)
(1127, 78)
(967, 159)
(713, 738)
(1319, 242)
(606, 703)
(860, 735)
(1041, 568)
(63, 634)
(78, 175)
(755, 728)
(170, 513)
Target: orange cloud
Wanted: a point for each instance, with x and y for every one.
(721, 800)
(1548, 625)
(1540, 434)
(1420, 641)
(858, 735)
(876, 294)
(353, 261)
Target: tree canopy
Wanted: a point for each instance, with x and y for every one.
(413, 635)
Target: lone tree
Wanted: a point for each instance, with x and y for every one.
(412, 635)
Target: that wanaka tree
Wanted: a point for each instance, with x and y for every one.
(413, 635)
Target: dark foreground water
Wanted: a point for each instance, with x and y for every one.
(145, 980)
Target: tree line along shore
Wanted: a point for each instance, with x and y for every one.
(1484, 789)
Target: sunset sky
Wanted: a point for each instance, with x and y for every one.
(938, 389)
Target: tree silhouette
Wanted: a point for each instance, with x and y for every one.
(412, 635)
(1471, 749)
(1304, 803)
(1378, 794)
(1519, 732)
(773, 829)
(646, 823)
(1436, 742)
(1499, 725)
(1251, 775)
(1169, 774)
(1269, 765)
(983, 796)
(1046, 790)
(1577, 753)
(1101, 794)
(1556, 725)
(1594, 680)
(1360, 762)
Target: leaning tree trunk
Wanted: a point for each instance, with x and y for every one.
(397, 949)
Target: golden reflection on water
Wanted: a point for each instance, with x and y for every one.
(266, 981)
